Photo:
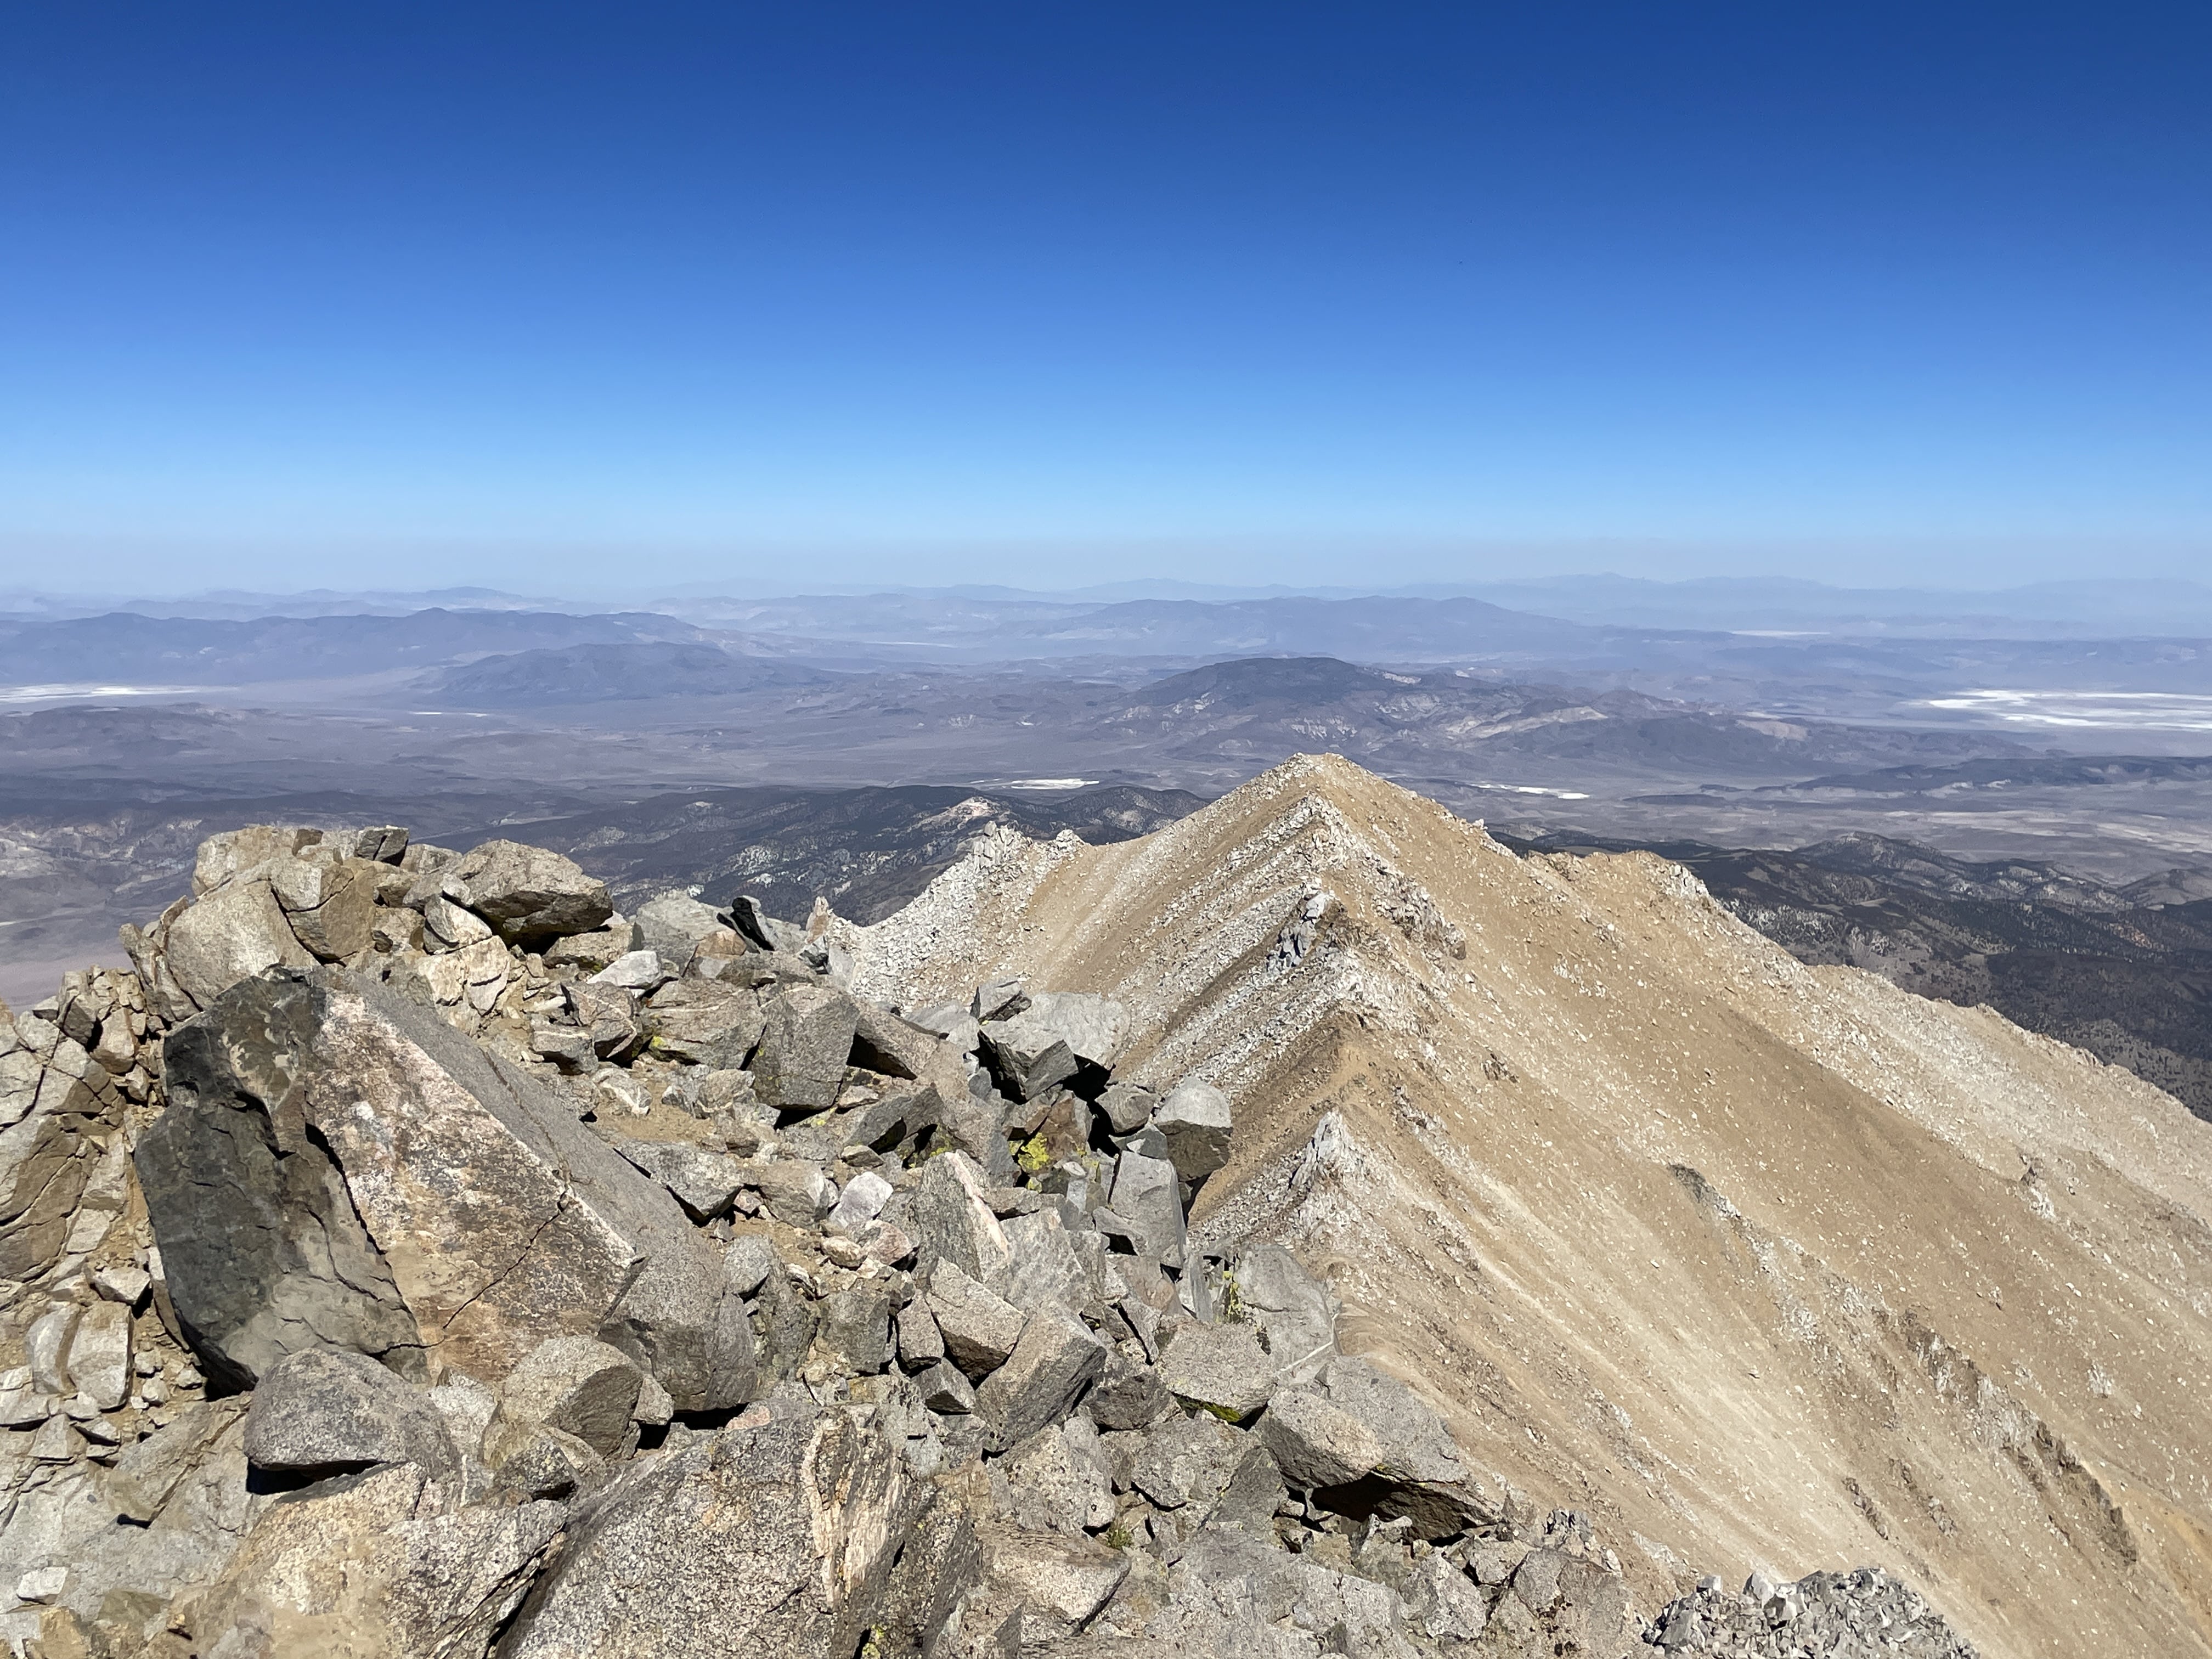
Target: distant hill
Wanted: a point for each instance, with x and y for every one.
(608, 674)
(124, 648)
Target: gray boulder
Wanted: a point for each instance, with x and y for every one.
(1127, 1107)
(1054, 1361)
(574, 1384)
(390, 1559)
(529, 893)
(853, 1329)
(703, 1183)
(1354, 1427)
(1295, 1312)
(1128, 1395)
(978, 1329)
(883, 1042)
(1194, 1120)
(704, 1022)
(1147, 1197)
(775, 1539)
(805, 1043)
(1222, 1369)
(1188, 1461)
(950, 1218)
(591, 951)
(674, 924)
(339, 1168)
(228, 934)
(327, 1409)
(330, 908)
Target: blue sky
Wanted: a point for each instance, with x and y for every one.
(1225, 292)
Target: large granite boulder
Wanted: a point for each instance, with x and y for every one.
(384, 1563)
(338, 1168)
(527, 892)
(776, 1538)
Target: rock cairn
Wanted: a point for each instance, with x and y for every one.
(414, 1257)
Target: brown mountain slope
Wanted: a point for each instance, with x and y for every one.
(1764, 1265)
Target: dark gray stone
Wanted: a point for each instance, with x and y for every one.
(1054, 1361)
(1128, 1395)
(855, 1330)
(1194, 1120)
(1148, 1195)
(326, 1409)
(806, 1040)
(1127, 1107)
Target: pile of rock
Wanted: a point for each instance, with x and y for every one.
(1866, 1612)
(415, 1257)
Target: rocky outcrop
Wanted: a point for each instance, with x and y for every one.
(411, 1270)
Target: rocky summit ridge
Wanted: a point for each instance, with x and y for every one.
(1307, 1229)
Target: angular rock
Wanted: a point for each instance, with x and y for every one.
(1355, 1428)
(1147, 1195)
(1057, 1481)
(326, 1410)
(529, 893)
(674, 924)
(594, 950)
(46, 1345)
(1194, 1119)
(979, 1329)
(574, 1384)
(99, 1355)
(944, 1390)
(1054, 1361)
(229, 934)
(449, 927)
(639, 971)
(777, 1539)
(797, 1193)
(806, 1040)
(1188, 1461)
(382, 1563)
(703, 1183)
(860, 1202)
(920, 1344)
(883, 1042)
(1222, 1369)
(853, 1332)
(1058, 1583)
(1127, 1107)
(704, 1022)
(228, 852)
(1128, 1395)
(951, 1219)
(412, 1191)
(329, 908)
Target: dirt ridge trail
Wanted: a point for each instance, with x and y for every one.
(1765, 1266)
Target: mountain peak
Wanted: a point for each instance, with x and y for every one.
(1644, 1206)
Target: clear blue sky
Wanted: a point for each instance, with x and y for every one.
(468, 292)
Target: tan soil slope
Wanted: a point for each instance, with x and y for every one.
(1764, 1265)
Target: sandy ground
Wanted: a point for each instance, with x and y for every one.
(1764, 1265)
